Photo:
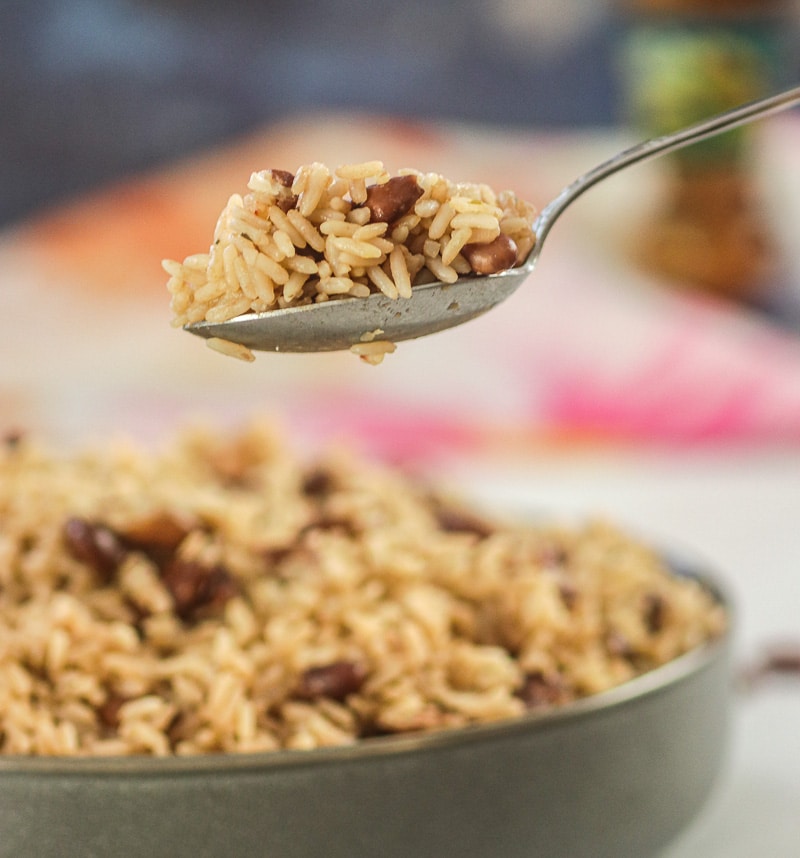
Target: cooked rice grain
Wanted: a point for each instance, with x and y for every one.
(373, 351)
(226, 347)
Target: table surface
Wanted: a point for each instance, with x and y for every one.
(600, 390)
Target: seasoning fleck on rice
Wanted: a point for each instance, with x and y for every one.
(322, 234)
(224, 595)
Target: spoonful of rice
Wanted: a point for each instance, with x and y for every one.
(354, 258)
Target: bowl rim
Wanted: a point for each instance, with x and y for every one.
(645, 685)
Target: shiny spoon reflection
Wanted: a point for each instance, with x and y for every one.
(343, 323)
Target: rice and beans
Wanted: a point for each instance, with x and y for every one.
(225, 595)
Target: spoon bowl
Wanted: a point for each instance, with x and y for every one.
(342, 323)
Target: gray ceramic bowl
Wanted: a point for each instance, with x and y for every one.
(617, 774)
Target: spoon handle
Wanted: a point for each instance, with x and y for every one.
(660, 146)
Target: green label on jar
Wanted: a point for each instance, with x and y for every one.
(679, 73)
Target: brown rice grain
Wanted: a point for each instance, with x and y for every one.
(400, 234)
(229, 255)
(357, 249)
(301, 264)
(265, 288)
(310, 185)
(400, 271)
(364, 170)
(333, 212)
(482, 236)
(461, 266)
(374, 351)
(306, 229)
(426, 207)
(283, 242)
(270, 248)
(228, 310)
(339, 228)
(213, 289)
(441, 221)
(473, 204)
(382, 280)
(431, 248)
(338, 205)
(360, 290)
(294, 285)
(370, 231)
(173, 268)
(249, 252)
(243, 222)
(243, 277)
(144, 738)
(277, 273)
(458, 238)
(477, 220)
(358, 191)
(359, 216)
(357, 265)
(338, 187)
(445, 273)
(234, 350)
(281, 221)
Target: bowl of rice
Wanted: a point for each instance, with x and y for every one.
(223, 648)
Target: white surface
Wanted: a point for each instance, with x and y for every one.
(756, 809)
(738, 510)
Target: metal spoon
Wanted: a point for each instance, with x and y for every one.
(342, 323)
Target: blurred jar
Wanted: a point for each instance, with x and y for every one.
(685, 60)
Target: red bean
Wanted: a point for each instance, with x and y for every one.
(286, 201)
(198, 590)
(541, 690)
(319, 482)
(655, 612)
(284, 177)
(96, 545)
(154, 532)
(494, 256)
(392, 199)
(453, 520)
(569, 594)
(108, 712)
(337, 681)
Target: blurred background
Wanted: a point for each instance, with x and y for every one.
(666, 308)
(127, 123)
(92, 89)
(95, 90)
(650, 369)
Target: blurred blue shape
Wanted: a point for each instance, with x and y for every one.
(93, 89)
